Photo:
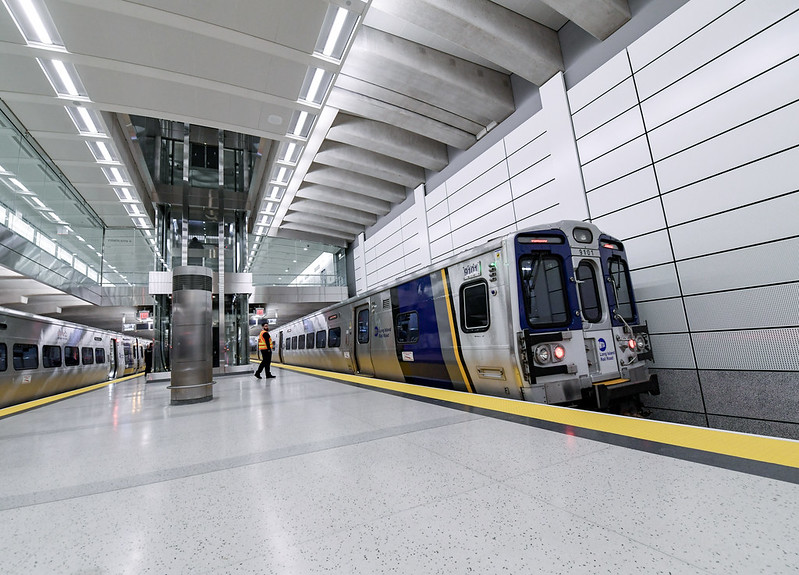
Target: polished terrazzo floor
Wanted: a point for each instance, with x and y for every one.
(302, 475)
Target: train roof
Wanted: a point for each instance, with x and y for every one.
(4, 311)
(490, 245)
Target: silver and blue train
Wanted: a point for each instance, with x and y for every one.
(545, 315)
(42, 356)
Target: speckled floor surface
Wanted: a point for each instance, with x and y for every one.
(299, 475)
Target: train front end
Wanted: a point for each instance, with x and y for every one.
(580, 339)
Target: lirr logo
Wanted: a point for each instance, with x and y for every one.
(602, 345)
(472, 270)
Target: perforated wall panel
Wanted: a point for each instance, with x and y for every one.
(764, 307)
(766, 349)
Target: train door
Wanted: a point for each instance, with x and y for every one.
(363, 358)
(113, 365)
(600, 345)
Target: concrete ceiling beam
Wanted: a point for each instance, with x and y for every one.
(295, 234)
(390, 141)
(372, 109)
(332, 223)
(600, 18)
(358, 183)
(464, 88)
(488, 30)
(334, 210)
(369, 163)
(318, 230)
(344, 198)
(407, 103)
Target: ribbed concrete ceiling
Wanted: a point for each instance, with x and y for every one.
(419, 79)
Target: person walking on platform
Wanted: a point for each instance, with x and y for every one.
(265, 347)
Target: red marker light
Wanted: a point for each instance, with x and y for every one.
(631, 343)
(559, 352)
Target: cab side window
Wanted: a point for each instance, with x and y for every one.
(475, 315)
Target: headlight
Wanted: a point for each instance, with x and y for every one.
(542, 354)
(640, 342)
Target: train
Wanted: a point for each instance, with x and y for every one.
(41, 356)
(546, 314)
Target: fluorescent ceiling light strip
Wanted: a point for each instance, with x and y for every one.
(65, 77)
(36, 22)
(87, 119)
(303, 117)
(316, 82)
(19, 184)
(335, 32)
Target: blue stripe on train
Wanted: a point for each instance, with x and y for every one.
(427, 367)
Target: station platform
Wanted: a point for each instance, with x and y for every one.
(310, 473)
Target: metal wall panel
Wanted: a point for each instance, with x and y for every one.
(606, 107)
(681, 24)
(437, 213)
(633, 221)
(616, 164)
(673, 351)
(530, 130)
(763, 307)
(772, 176)
(631, 189)
(664, 315)
(531, 154)
(620, 130)
(763, 264)
(480, 187)
(649, 250)
(535, 201)
(771, 220)
(482, 204)
(612, 73)
(533, 178)
(746, 67)
(765, 349)
(758, 96)
(485, 162)
(655, 282)
(768, 135)
(483, 228)
(717, 37)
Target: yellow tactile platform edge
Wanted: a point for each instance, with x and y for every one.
(754, 447)
(45, 400)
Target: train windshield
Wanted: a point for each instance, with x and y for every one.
(544, 290)
(622, 289)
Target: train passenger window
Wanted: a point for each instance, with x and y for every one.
(309, 340)
(321, 339)
(620, 283)
(294, 342)
(544, 291)
(26, 356)
(51, 356)
(3, 357)
(334, 337)
(408, 327)
(71, 355)
(475, 314)
(363, 326)
(99, 355)
(589, 292)
(301, 341)
(88, 355)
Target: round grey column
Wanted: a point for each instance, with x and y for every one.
(192, 355)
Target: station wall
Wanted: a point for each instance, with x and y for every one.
(685, 145)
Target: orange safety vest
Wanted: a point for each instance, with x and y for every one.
(262, 341)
